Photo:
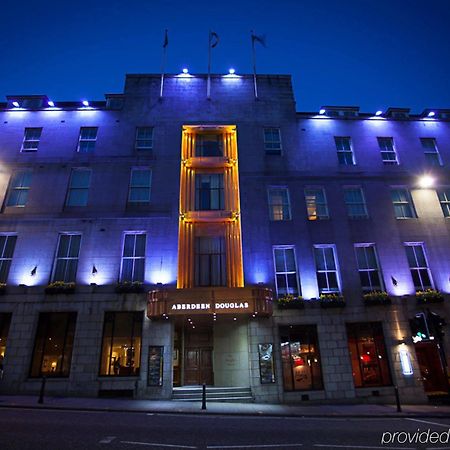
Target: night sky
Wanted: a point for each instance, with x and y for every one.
(367, 53)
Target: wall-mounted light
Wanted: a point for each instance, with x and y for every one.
(33, 271)
(231, 71)
(378, 113)
(185, 70)
(394, 281)
(85, 103)
(426, 181)
(405, 360)
(15, 104)
(322, 112)
(51, 103)
(94, 270)
(431, 114)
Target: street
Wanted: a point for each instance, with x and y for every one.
(28, 429)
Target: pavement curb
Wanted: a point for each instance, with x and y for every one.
(228, 413)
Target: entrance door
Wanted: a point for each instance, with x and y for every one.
(198, 357)
(431, 368)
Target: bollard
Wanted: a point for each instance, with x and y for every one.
(397, 399)
(42, 391)
(204, 397)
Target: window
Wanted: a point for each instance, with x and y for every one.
(272, 141)
(140, 184)
(356, 203)
(210, 261)
(78, 187)
(209, 192)
(121, 344)
(444, 199)
(279, 205)
(344, 150)
(388, 154)
(209, 145)
(418, 266)
(87, 139)
(19, 189)
(31, 139)
(5, 322)
(431, 152)
(370, 365)
(66, 262)
(326, 269)
(7, 245)
(300, 358)
(316, 204)
(53, 346)
(144, 138)
(403, 205)
(368, 268)
(286, 271)
(133, 257)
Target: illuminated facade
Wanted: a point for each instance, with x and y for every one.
(149, 245)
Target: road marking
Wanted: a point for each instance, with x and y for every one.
(107, 440)
(155, 444)
(255, 446)
(446, 425)
(361, 446)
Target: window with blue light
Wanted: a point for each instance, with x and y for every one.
(140, 186)
(209, 192)
(387, 150)
(87, 139)
(31, 139)
(133, 257)
(210, 261)
(326, 269)
(355, 202)
(368, 267)
(418, 266)
(403, 204)
(444, 200)
(344, 150)
(272, 141)
(209, 144)
(66, 259)
(316, 203)
(286, 279)
(144, 139)
(77, 194)
(19, 189)
(279, 203)
(431, 152)
(7, 246)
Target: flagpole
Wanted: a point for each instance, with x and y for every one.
(255, 87)
(208, 82)
(163, 64)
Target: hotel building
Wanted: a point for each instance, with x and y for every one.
(151, 244)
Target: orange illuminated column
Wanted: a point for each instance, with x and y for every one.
(227, 223)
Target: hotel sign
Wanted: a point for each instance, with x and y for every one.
(205, 301)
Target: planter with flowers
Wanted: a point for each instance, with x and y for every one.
(331, 301)
(376, 298)
(60, 287)
(288, 301)
(429, 296)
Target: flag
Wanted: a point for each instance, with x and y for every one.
(260, 39)
(166, 40)
(213, 39)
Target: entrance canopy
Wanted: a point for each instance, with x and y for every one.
(249, 301)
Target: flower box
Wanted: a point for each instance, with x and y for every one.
(129, 287)
(429, 296)
(290, 302)
(331, 301)
(376, 298)
(60, 287)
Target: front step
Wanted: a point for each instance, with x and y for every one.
(213, 394)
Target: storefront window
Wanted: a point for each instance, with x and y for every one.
(370, 365)
(121, 347)
(53, 345)
(300, 358)
(5, 321)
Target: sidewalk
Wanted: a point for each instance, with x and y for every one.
(252, 409)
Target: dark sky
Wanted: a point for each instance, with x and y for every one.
(371, 53)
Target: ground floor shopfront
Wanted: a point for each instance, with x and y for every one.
(98, 342)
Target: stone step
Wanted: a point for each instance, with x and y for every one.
(220, 394)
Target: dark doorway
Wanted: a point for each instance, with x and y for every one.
(198, 356)
(431, 368)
